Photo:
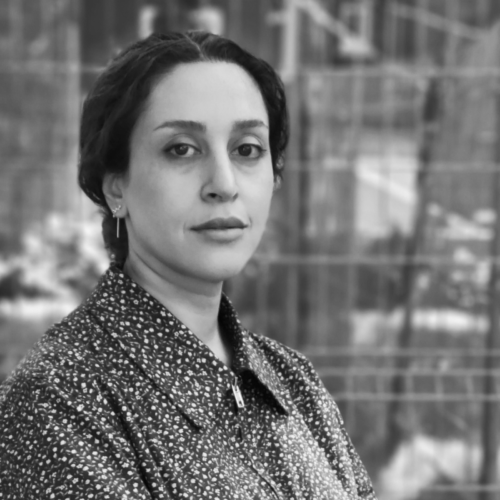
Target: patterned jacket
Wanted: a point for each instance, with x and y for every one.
(121, 401)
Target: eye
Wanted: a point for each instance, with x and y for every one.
(250, 151)
(182, 150)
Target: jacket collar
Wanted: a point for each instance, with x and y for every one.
(182, 366)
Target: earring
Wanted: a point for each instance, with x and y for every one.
(115, 215)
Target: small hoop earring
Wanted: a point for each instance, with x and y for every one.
(115, 215)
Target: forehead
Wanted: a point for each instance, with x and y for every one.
(205, 92)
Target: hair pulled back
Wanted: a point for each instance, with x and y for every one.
(119, 95)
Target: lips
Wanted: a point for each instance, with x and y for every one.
(220, 224)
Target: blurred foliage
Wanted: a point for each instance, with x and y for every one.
(59, 258)
(378, 285)
(452, 276)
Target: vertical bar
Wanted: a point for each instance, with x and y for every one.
(391, 39)
(422, 32)
(288, 69)
(95, 45)
(289, 42)
(322, 133)
(17, 53)
(410, 270)
(235, 19)
(263, 37)
(381, 12)
(318, 311)
(452, 37)
(303, 202)
(491, 407)
(357, 124)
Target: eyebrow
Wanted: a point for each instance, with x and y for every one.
(201, 127)
(183, 124)
(244, 124)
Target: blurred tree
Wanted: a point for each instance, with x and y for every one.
(381, 22)
(38, 113)
(105, 27)
(379, 285)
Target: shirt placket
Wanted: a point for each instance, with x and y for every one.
(243, 424)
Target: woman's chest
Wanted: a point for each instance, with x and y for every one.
(257, 451)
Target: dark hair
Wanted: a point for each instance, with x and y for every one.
(119, 95)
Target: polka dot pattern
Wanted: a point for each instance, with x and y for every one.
(121, 401)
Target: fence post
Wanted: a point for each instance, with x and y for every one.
(491, 408)
(415, 244)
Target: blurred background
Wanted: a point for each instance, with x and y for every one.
(380, 261)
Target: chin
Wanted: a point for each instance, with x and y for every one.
(222, 274)
(219, 265)
(222, 270)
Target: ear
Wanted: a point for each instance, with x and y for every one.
(113, 189)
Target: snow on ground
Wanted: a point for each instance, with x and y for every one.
(371, 326)
(422, 461)
(36, 310)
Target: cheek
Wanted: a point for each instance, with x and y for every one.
(262, 194)
(268, 183)
(160, 197)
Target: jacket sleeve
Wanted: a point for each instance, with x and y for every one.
(57, 446)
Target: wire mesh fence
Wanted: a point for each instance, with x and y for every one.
(379, 261)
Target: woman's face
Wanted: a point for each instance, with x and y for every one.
(200, 179)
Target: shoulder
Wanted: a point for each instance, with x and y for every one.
(55, 408)
(60, 387)
(285, 359)
(294, 371)
(59, 362)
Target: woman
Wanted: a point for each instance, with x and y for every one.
(152, 388)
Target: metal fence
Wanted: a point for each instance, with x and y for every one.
(380, 259)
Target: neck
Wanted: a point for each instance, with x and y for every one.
(195, 304)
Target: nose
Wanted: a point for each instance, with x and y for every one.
(220, 184)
